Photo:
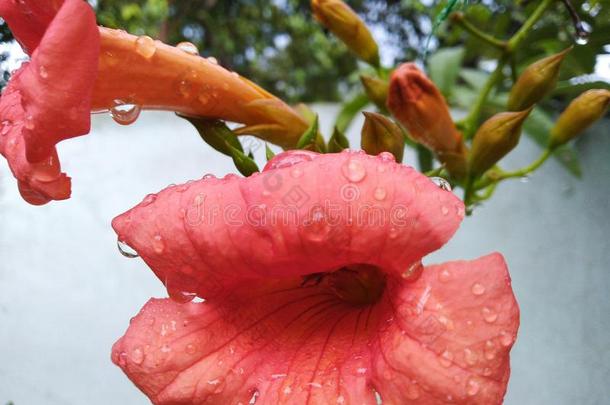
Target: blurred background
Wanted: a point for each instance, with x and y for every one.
(66, 294)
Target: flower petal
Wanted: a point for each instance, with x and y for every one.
(314, 216)
(455, 327)
(56, 86)
(286, 344)
(29, 19)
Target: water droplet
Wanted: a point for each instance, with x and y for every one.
(386, 157)
(490, 350)
(393, 234)
(122, 359)
(413, 272)
(145, 46)
(149, 199)
(165, 348)
(213, 60)
(472, 387)
(158, 244)
(506, 339)
(380, 194)
(296, 172)
(6, 127)
(287, 390)
(190, 348)
(446, 358)
(444, 275)
(43, 72)
(487, 371)
(477, 289)
(188, 47)
(361, 370)
(489, 315)
(124, 113)
(470, 357)
(186, 83)
(340, 399)
(29, 122)
(353, 170)
(441, 183)
(137, 355)
(444, 210)
(583, 31)
(316, 228)
(126, 250)
(208, 176)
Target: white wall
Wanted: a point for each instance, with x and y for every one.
(66, 294)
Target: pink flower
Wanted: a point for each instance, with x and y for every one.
(49, 98)
(314, 290)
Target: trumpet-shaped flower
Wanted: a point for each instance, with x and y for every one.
(314, 290)
(77, 67)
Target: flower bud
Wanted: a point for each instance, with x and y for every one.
(342, 21)
(495, 139)
(419, 105)
(536, 81)
(582, 112)
(381, 134)
(376, 89)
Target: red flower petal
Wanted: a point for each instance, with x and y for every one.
(455, 327)
(48, 100)
(286, 344)
(315, 216)
(29, 19)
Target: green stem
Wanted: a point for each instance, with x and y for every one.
(496, 175)
(520, 35)
(460, 20)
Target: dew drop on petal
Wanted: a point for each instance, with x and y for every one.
(190, 348)
(149, 199)
(413, 272)
(188, 47)
(158, 244)
(470, 357)
(506, 339)
(380, 194)
(489, 315)
(490, 350)
(145, 46)
(340, 399)
(441, 183)
(444, 276)
(42, 71)
(444, 210)
(137, 355)
(354, 170)
(477, 289)
(29, 122)
(296, 173)
(486, 371)
(316, 227)
(213, 60)
(446, 358)
(386, 157)
(126, 250)
(6, 127)
(472, 387)
(165, 348)
(124, 113)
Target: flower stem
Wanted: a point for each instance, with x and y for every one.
(459, 19)
(495, 176)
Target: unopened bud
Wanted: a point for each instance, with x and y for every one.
(376, 89)
(421, 108)
(342, 21)
(495, 139)
(582, 112)
(381, 134)
(536, 81)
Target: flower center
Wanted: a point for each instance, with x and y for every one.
(359, 284)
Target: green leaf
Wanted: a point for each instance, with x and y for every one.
(538, 127)
(337, 142)
(245, 164)
(425, 160)
(268, 152)
(349, 111)
(216, 134)
(572, 89)
(309, 136)
(475, 78)
(444, 67)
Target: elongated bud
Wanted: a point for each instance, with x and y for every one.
(381, 134)
(582, 112)
(342, 21)
(337, 142)
(419, 105)
(495, 139)
(536, 81)
(376, 89)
